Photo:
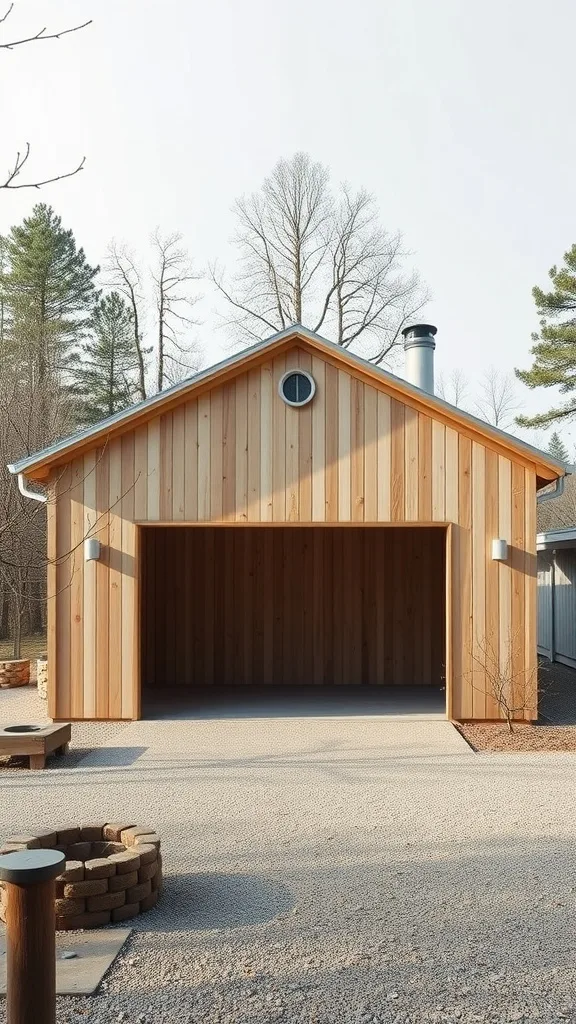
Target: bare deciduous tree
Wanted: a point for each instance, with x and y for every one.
(23, 560)
(369, 298)
(514, 690)
(123, 274)
(11, 181)
(323, 260)
(498, 401)
(172, 277)
(281, 238)
(25, 424)
(453, 388)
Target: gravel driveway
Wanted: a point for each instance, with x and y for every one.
(330, 870)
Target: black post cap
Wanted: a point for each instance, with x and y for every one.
(419, 331)
(28, 867)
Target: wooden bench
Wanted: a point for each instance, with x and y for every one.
(35, 741)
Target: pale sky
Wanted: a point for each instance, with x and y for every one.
(457, 116)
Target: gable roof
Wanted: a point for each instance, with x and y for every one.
(39, 465)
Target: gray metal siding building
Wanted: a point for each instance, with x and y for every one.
(557, 596)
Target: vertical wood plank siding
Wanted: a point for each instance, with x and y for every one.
(238, 455)
(250, 651)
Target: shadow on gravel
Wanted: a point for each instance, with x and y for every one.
(113, 757)
(80, 757)
(72, 759)
(194, 902)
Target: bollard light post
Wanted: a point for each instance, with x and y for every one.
(30, 934)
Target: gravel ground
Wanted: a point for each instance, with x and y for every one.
(330, 871)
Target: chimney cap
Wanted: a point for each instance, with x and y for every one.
(419, 331)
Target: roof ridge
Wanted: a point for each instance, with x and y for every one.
(298, 331)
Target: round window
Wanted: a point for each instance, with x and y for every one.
(296, 387)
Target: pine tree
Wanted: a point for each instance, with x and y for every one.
(554, 348)
(105, 372)
(557, 448)
(48, 295)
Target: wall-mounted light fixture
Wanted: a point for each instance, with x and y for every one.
(92, 548)
(499, 550)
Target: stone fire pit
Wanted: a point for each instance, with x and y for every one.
(113, 872)
(15, 672)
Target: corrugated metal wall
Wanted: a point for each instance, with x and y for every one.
(557, 605)
(564, 594)
(545, 604)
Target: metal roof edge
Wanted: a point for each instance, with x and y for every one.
(564, 537)
(466, 417)
(125, 414)
(21, 465)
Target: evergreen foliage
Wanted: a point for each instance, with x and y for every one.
(554, 348)
(557, 448)
(48, 294)
(106, 370)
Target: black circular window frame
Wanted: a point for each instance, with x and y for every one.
(297, 388)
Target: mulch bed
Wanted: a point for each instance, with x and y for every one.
(487, 736)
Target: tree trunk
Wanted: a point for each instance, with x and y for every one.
(5, 618)
(298, 285)
(141, 366)
(110, 402)
(160, 380)
(16, 634)
(340, 337)
(36, 607)
(138, 344)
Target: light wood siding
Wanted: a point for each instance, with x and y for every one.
(238, 455)
(530, 660)
(301, 650)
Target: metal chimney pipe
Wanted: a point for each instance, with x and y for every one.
(419, 347)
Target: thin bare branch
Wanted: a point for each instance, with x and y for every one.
(41, 36)
(512, 688)
(19, 163)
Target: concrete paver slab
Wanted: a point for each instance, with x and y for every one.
(95, 953)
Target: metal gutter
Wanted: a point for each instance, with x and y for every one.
(549, 540)
(295, 329)
(557, 492)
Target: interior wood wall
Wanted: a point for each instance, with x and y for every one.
(237, 454)
(307, 606)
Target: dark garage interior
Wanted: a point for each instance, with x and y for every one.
(240, 606)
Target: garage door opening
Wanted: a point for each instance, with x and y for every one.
(332, 613)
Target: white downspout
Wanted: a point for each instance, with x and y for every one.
(25, 490)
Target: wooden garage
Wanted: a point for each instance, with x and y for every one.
(292, 515)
